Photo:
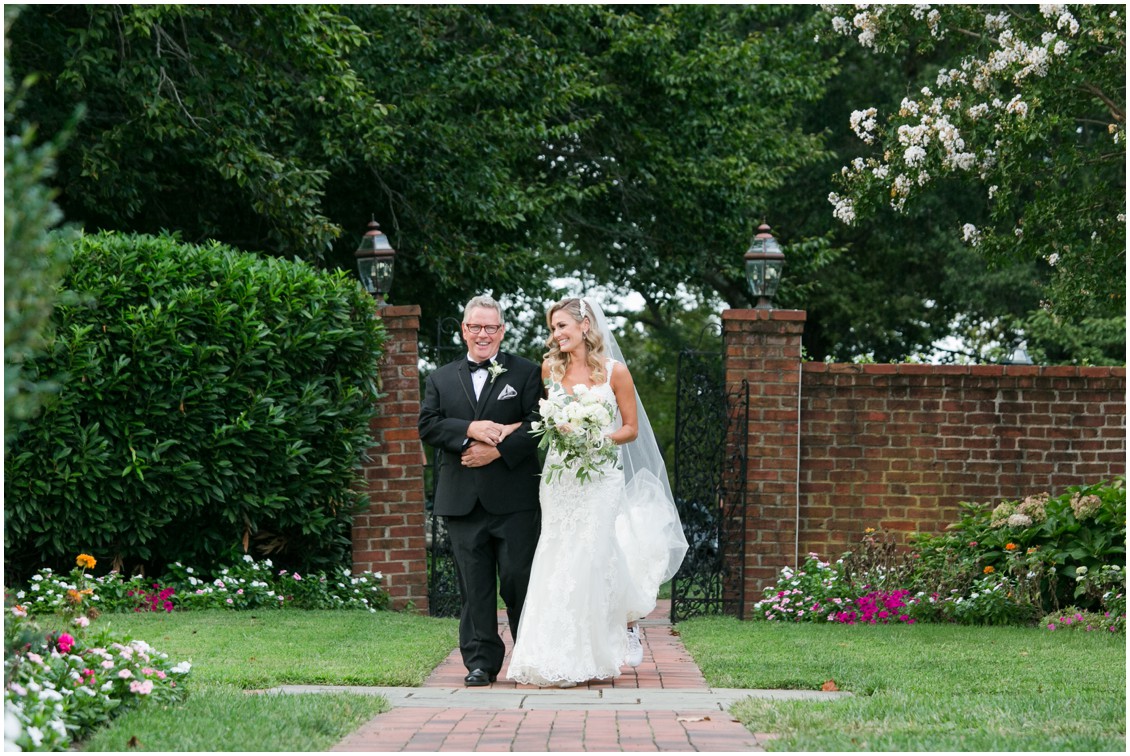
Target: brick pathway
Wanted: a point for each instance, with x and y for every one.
(600, 716)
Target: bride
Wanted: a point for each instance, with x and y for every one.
(608, 540)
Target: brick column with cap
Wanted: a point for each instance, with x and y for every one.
(388, 537)
(764, 346)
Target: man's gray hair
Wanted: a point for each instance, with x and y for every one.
(484, 300)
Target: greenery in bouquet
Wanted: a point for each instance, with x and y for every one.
(59, 685)
(575, 426)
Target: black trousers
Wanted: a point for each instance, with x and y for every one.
(491, 550)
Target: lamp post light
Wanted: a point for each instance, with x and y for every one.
(764, 262)
(374, 262)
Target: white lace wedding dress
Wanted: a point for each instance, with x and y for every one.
(594, 571)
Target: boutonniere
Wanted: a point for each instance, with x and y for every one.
(495, 370)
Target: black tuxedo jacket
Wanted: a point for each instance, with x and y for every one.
(509, 484)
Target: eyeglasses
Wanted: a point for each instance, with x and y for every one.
(475, 328)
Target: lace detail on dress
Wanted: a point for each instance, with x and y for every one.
(581, 593)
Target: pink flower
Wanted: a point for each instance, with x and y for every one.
(82, 622)
(297, 576)
(65, 643)
(1051, 626)
(125, 674)
(141, 688)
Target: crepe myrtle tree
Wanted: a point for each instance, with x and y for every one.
(1026, 109)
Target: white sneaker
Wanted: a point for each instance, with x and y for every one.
(635, 648)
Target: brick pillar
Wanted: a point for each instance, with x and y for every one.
(389, 536)
(764, 347)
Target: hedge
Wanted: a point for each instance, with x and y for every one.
(214, 402)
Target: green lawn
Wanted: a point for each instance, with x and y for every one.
(916, 688)
(236, 652)
(922, 687)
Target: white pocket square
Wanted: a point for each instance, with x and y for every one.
(508, 392)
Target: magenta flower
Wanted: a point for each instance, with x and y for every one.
(65, 643)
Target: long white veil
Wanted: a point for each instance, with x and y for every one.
(651, 518)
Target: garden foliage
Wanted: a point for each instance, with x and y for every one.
(62, 685)
(34, 255)
(1062, 558)
(246, 584)
(214, 402)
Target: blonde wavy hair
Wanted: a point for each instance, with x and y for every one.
(558, 360)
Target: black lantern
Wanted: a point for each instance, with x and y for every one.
(764, 263)
(374, 262)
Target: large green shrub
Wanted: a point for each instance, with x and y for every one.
(214, 402)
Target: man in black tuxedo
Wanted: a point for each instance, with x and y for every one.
(477, 413)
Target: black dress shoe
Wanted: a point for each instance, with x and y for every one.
(479, 678)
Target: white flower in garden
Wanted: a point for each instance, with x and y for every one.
(914, 155)
(1067, 20)
(844, 208)
(182, 668)
(1019, 520)
(1018, 107)
(36, 736)
(970, 234)
(863, 123)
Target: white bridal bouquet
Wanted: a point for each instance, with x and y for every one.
(575, 426)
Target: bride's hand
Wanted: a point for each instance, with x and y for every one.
(507, 430)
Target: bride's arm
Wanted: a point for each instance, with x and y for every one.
(625, 390)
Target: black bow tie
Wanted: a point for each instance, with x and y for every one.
(473, 366)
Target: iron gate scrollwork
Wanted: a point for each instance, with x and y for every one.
(711, 423)
(443, 582)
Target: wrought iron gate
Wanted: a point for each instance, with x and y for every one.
(710, 479)
(443, 582)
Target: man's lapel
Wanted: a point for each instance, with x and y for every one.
(466, 383)
(489, 389)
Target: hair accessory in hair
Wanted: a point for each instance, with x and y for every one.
(582, 307)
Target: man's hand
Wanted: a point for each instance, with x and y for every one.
(486, 432)
(479, 455)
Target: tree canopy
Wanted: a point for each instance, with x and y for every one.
(636, 147)
(1023, 111)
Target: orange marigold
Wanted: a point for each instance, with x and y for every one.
(989, 569)
(1010, 547)
(86, 561)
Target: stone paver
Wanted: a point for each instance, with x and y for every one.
(662, 705)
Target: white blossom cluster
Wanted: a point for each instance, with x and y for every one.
(934, 129)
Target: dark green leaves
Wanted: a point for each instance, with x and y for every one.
(210, 395)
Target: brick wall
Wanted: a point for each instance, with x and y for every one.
(834, 448)
(389, 536)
